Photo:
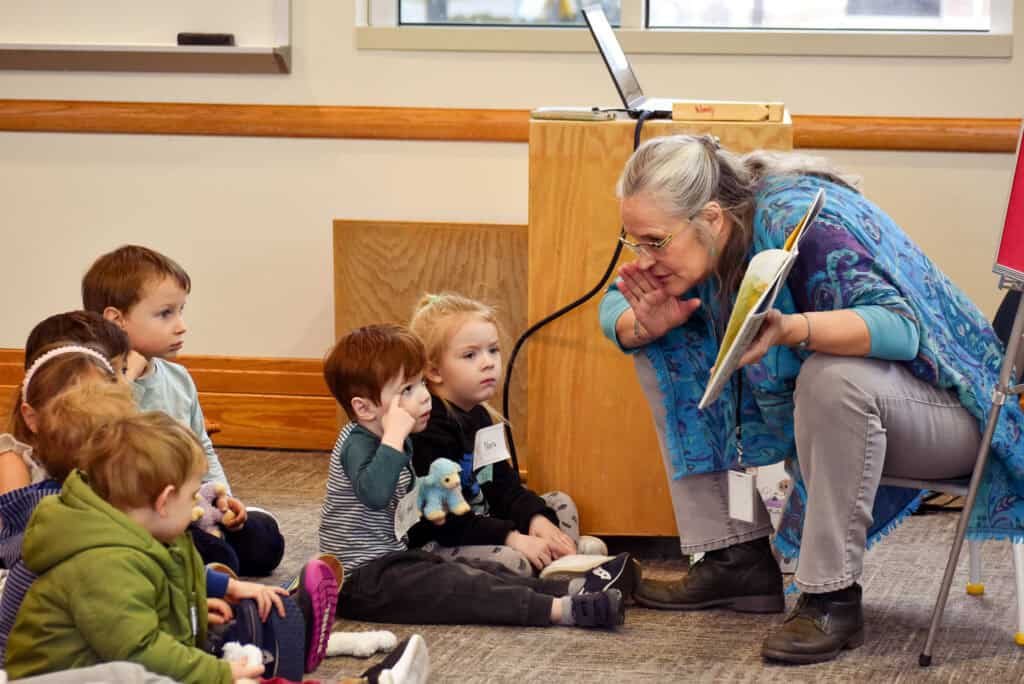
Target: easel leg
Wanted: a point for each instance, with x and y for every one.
(1002, 388)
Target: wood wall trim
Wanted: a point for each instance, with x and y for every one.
(476, 125)
(255, 402)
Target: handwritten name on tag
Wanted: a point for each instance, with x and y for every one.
(489, 446)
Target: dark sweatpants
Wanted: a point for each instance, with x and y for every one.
(418, 587)
(253, 551)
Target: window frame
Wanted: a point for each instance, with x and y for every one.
(377, 28)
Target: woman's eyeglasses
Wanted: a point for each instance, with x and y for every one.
(646, 249)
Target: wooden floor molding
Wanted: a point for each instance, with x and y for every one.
(468, 125)
(257, 402)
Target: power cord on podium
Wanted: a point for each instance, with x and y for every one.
(641, 118)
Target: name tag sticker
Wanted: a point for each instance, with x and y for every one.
(489, 446)
(407, 513)
(741, 495)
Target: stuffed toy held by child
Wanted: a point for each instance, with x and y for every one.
(211, 510)
(441, 489)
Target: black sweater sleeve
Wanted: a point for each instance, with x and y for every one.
(509, 499)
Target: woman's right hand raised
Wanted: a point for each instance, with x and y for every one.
(655, 309)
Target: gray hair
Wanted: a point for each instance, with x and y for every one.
(682, 173)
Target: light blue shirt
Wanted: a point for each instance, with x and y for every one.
(169, 388)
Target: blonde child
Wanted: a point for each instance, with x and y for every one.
(119, 576)
(510, 523)
(376, 375)
(144, 293)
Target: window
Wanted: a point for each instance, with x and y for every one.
(498, 12)
(833, 15)
(896, 28)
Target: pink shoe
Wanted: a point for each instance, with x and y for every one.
(317, 598)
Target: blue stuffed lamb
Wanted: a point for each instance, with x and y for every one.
(440, 489)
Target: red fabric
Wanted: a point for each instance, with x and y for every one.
(282, 680)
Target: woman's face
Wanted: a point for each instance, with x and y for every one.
(679, 265)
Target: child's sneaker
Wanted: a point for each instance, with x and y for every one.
(409, 663)
(222, 568)
(601, 609)
(317, 596)
(332, 562)
(621, 572)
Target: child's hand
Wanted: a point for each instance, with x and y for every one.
(534, 548)
(235, 506)
(397, 423)
(135, 365)
(243, 671)
(559, 543)
(218, 612)
(265, 596)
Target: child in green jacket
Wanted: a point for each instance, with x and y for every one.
(119, 578)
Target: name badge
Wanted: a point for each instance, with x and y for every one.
(489, 446)
(407, 513)
(742, 493)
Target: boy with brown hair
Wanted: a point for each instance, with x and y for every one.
(376, 374)
(144, 293)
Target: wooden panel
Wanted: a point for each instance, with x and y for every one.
(382, 268)
(588, 416)
(256, 402)
(273, 421)
(496, 125)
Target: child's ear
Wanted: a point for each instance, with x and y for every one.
(363, 408)
(160, 505)
(432, 374)
(114, 315)
(30, 416)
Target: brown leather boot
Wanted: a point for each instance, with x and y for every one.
(744, 577)
(820, 626)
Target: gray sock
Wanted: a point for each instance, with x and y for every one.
(567, 618)
(576, 585)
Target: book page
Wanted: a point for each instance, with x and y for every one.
(762, 282)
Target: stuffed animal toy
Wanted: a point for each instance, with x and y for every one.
(211, 509)
(360, 644)
(440, 489)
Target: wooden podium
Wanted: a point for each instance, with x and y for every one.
(589, 427)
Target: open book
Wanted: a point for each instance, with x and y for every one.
(765, 276)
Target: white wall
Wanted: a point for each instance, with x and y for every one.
(251, 218)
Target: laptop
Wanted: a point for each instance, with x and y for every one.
(622, 73)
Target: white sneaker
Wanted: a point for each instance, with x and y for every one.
(575, 565)
(413, 667)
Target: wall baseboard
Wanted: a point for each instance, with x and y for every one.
(256, 402)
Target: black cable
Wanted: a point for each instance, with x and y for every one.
(641, 118)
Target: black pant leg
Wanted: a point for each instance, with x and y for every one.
(416, 587)
(259, 544)
(213, 549)
(544, 586)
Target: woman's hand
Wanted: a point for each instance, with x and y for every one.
(534, 548)
(559, 543)
(776, 328)
(265, 596)
(218, 612)
(656, 311)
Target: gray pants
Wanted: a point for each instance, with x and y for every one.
(855, 420)
(107, 673)
(568, 521)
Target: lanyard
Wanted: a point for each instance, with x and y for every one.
(739, 410)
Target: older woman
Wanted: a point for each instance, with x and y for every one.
(873, 363)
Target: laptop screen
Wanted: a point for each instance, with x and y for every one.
(614, 58)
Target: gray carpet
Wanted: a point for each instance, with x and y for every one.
(900, 581)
